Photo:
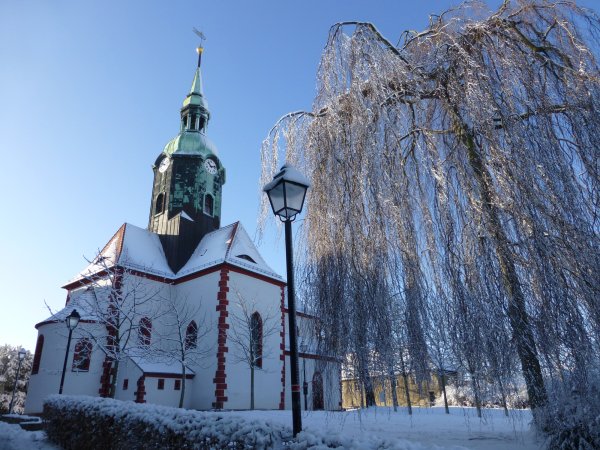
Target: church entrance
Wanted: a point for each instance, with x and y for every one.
(317, 391)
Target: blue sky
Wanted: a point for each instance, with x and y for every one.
(90, 92)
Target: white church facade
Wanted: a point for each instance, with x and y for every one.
(183, 313)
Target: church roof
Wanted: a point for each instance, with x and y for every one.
(138, 249)
(190, 143)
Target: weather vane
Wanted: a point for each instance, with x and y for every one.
(200, 49)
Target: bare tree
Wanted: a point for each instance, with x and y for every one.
(250, 327)
(180, 330)
(464, 161)
(122, 305)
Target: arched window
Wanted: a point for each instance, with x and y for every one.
(37, 356)
(208, 205)
(159, 205)
(191, 335)
(82, 356)
(256, 337)
(145, 331)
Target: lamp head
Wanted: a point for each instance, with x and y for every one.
(73, 320)
(287, 192)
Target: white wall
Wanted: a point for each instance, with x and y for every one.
(47, 380)
(266, 298)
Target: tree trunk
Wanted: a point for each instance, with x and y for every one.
(443, 382)
(517, 313)
(406, 389)
(182, 394)
(252, 386)
(475, 386)
(394, 393)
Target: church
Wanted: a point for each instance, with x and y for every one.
(185, 312)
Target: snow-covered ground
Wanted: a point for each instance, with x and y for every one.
(427, 428)
(13, 437)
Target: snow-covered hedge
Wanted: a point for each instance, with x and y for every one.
(78, 422)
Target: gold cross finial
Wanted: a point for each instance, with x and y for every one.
(200, 48)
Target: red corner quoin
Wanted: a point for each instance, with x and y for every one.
(220, 378)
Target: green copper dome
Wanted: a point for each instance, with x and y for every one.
(191, 143)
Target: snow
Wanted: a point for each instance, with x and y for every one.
(427, 428)
(13, 437)
(146, 366)
(143, 251)
(372, 429)
(288, 173)
(223, 245)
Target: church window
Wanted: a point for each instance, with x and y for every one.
(177, 386)
(145, 331)
(160, 203)
(193, 122)
(256, 338)
(161, 384)
(208, 205)
(82, 356)
(37, 356)
(247, 258)
(201, 122)
(191, 335)
(125, 384)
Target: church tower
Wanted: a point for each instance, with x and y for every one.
(188, 180)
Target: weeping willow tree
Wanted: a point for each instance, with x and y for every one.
(456, 172)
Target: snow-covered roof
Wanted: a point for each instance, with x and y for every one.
(84, 301)
(229, 244)
(148, 366)
(138, 249)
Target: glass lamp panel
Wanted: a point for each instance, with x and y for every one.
(277, 198)
(294, 197)
(73, 320)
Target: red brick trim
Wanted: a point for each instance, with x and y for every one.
(188, 376)
(104, 390)
(282, 348)
(140, 394)
(46, 322)
(191, 276)
(220, 379)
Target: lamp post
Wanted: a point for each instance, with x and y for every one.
(21, 356)
(286, 193)
(305, 383)
(71, 321)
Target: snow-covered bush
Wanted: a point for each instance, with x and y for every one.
(574, 422)
(78, 422)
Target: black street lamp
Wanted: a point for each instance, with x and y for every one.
(72, 321)
(286, 193)
(305, 383)
(21, 356)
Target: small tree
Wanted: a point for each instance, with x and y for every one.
(9, 362)
(249, 328)
(124, 306)
(181, 327)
